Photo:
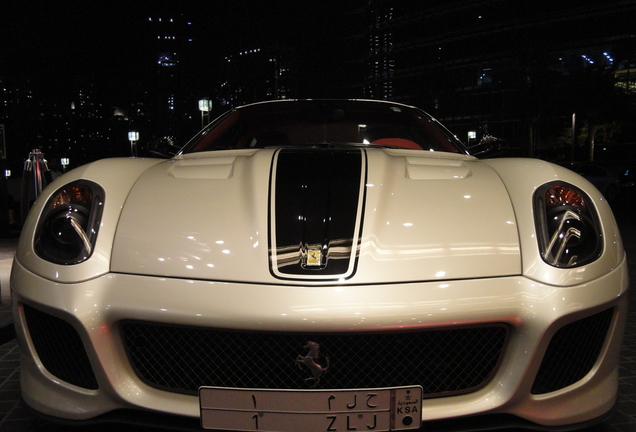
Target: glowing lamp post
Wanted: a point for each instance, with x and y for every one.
(64, 162)
(205, 106)
(133, 137)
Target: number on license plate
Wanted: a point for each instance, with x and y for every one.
(260, 410)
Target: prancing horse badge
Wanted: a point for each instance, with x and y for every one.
(310, 360)
(314, 257)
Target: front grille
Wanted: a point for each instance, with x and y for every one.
(60, 348)
(443, 362)
(572, 352)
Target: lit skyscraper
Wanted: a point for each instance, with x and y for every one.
(171, 34)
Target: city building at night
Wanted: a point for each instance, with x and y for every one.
(258, 74)
(170, 49)
(514, 70)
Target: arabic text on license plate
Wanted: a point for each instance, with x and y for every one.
(258, 410)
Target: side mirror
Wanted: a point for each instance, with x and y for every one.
(489, 146)
(163, 146)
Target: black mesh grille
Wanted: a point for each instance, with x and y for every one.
(181, 359)
(60, 348)
(572, 352)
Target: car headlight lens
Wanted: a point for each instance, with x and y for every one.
(568, 226)
(69, 223)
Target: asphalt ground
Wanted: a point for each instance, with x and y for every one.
(15, 416)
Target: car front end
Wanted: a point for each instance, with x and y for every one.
(464, 290)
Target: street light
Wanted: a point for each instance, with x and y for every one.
(472, 136)
(133, 136)
(205, 106)
(64, 162)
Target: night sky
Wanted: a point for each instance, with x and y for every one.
(54, 43)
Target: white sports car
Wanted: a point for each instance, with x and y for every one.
(321, 266)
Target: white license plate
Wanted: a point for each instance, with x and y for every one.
(258, 410)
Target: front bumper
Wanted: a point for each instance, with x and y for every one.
(532, 313)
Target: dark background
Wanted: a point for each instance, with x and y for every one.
(54, 43)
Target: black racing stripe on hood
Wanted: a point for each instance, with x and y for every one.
(315, 207)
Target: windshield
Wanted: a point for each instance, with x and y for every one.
(325, 123)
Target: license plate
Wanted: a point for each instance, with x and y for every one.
(258, 410)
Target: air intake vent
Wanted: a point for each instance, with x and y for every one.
(572, 352)
(60, 348)
(444, 362)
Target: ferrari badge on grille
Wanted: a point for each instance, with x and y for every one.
(314, 257)
(310, 360)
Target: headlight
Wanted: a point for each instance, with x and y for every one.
(568, 226)
(69, 223)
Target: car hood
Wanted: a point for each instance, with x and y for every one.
(318, 216)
